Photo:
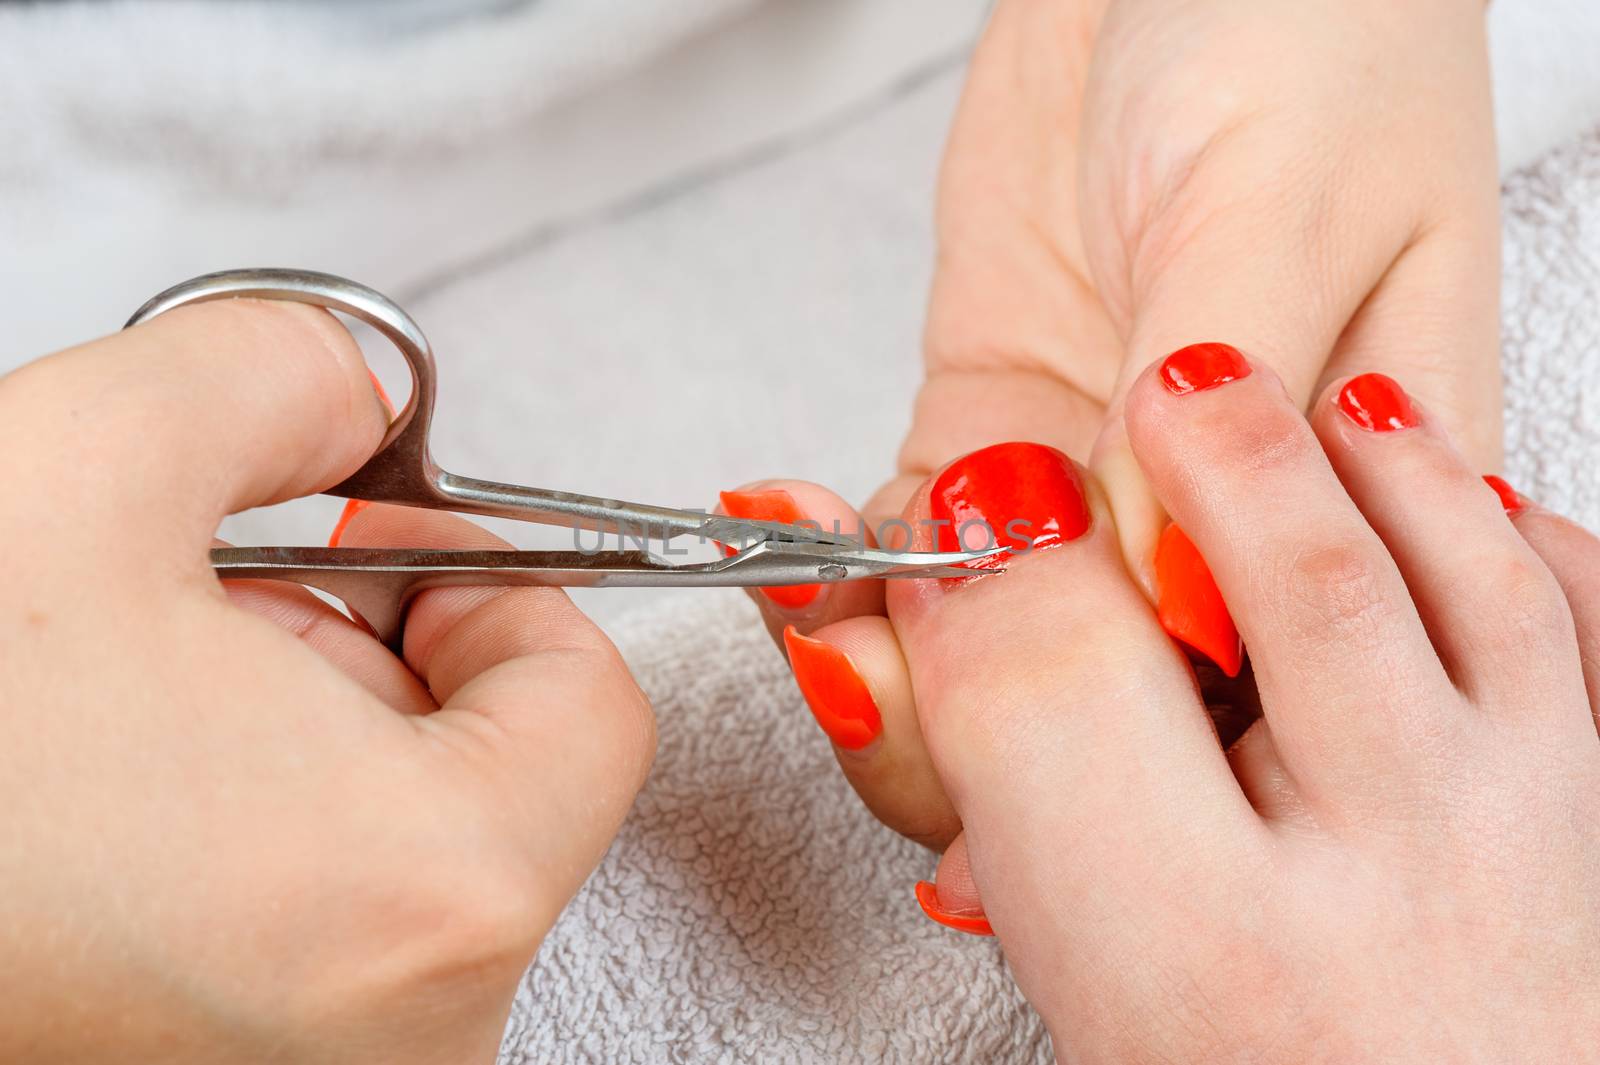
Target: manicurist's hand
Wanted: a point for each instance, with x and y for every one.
(233, 827)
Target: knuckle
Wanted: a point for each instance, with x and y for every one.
(1531, 606)
(481, 917)
(1339, 589)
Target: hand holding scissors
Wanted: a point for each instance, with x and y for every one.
(377, 583)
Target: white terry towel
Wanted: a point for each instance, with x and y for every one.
(752, 911)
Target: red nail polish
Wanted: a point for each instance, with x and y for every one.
(1510, 498)
(834, 690)
(351, 509)
(1377, 403)
(1191, 608)
(772, 505)
(1199, 367)
(974, 923)
(1019, 496)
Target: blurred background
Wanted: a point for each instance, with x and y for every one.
(661, 249)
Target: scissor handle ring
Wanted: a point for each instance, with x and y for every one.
(402, 465)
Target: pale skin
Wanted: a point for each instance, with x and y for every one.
(1375, 849)
(237, 828)
(1413, 830)
(1314, 183)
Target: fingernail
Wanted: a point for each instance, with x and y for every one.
(1190, 605)
(351, 509)
(1377, 403)
(1510, 498)
(1199, 367)
(772, 505)
(1019, 496)
(838, 697)
(974, 923)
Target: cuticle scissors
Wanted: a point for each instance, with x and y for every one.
(379, 583)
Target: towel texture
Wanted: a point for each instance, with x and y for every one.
(1551, 324)
(752, 911)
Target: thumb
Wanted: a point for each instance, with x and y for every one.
(537, 708)
(169, 426)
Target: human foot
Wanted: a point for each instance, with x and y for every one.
(1409, 831)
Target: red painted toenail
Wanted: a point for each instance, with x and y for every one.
(1510, 498)
(1191, 607)
(772, 505)
(1019, 496)
(973, 923)
(1199, 367)
(1377, 403)
(838, 697)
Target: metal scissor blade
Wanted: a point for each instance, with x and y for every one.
(378, 583)
(631, 522)
(403, 471)
(823, 562)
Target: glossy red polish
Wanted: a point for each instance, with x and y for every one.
(1020, 496)
(1200, 367)
(834, 689)
(1190, 607)
(1377, 403)
(772, 505)
(1510, 498)
(972, 923)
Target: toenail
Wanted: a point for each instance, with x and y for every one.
(972, 923)
(772, 505)
(1191, 608)
(1199, 367)
(1510, 498)
(1019, 496)
(1377, 403)
(834, 689)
